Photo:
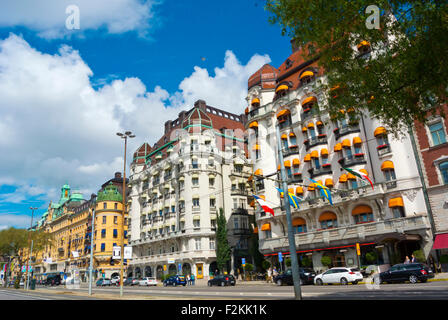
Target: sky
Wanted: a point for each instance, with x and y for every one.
(131, 65)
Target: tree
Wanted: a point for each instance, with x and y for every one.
(265, 264)
(419, 256)
(13, 243)
(288, 262)
(404, 76)
(326, 261)
(223, 250)
(258, 258)
(306, 262)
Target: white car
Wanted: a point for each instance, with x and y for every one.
(339, 275)
(115, 280)
(147, 281)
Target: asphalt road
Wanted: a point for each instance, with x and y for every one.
(14, 294)
(431, 291)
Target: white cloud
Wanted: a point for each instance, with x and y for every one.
(48, 17)
(57, 127)
(18, 221)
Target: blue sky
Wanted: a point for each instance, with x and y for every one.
(72, 101)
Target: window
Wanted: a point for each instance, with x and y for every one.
(181, 185)
(211, 182)
(116, 206)
(353, 184)
(195, 202)
(196, 223)
(104, 205)
(437, 133)
(115, 233)
(317, 163)
(103, 233)
(212, 203)
(444, 171)
(114, 245)
(348, 153)
(195, 181)
(267, 234)
(194, 163)
(173, 209)
(198, 244)
(104, 219)
(328, 224)
(103, 247)
(398, 212)
(236, 223)
(213, 223)
(300, 228)
(115, 220)
(364, 217)
(212, 244)
(389, 174)
(125, 234)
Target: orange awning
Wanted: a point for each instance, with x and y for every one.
(283, 112)
(309, 99)
(351, 176)
(319, 123)
(287, 164)
(380, 130)
(363, 44)
(327, 216)
(299, 190)
(364, 171)
(314, 154)
(310, 125)
(284, 136)
(346, 143)
(396, 202)
(307, 74)
(307, 158)
(255, 100)
(296, 162)
(311, 187)
(329, 182)
(258, 172)
(281, 88)
(304, 129)
(338, 147)
(266, 227)
(291, 190)
(343, 178)
(298, 222)
(279, 167)
(253, 124)
(246, 111)
(387, 165)
(256, 230)
(361, 209)
(324, 152)
(292, 134)
(357, 140)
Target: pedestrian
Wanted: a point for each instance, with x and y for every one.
(192, 279)
(188, 279)
(269, 275)
(407, 261)
(413, 260)
(274, 273)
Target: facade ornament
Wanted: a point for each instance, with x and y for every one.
(410, 194)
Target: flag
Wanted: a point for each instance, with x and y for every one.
(359, 174)
(264, 205)
(293, 200)
(325, 191)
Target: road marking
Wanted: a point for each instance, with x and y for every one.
(18, 294)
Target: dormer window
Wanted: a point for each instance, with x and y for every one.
(288, 63)
(307, 77)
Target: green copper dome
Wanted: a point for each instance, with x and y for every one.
(76, 196)
(110, 193)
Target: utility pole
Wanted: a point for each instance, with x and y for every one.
(27, 277)
(291, 238)
(125, 136)
(91, 245)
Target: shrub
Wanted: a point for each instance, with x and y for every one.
(288, 262)
(371, 256)
(306, 262)
(266, 264)
(249, 267)
(444, 258)
(326, 261)
(419, 255)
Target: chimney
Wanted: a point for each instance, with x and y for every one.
(200, 104)
(168, 126)
(117, 175)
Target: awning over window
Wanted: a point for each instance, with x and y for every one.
(311, 187)
(351, 176)
(304, 129)
(292, 134)
(441, 241)
(364, 171)
(361, 209)
(256, 230)
(307, 74)
(308, 100)
(255, 100)
(299, 190)
(307, 158)
(329, 182)
(357, 140)
(196, 217)
(258, 172)
(396, 202)
(246, 111)
(266, 227)
(310, 125)
(343, 178)
(283, 113)
(287, 164)
(278, 167)
(254, 125)
(298, 222)
(387, 165)
(327, 216)
(284, 136)
(319, 123)
(338, 147)
(324, 152)
(346, 143)
(291, 190)
(363, 43)
(281, 88)
(314, 154)
(296, 162)
(379, 131)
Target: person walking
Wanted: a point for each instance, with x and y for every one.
(269, 278)
(413, 260)
(275, 272)
(187, 278)
(407, 261)
(192, 279)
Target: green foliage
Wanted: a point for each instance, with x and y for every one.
(443, 258)
(223, 249)
(326, 261)
(371, 256)
(306, 262)
(249, 267)
(288, 262)
(255, 252)
(408, 74)
(266, 264)
(419, 255)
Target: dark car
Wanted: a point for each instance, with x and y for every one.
(53, 280)
(103, 282)
(222, 280)
(128, 281)
(412, 272)
(306, 277)
(175, 281)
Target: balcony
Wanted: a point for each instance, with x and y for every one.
(295, 178)
(194, 167)
(324, 169)
(239, 192)
(290, 151)
(391, 184)
(346, 129)
(315, 141)
(240, 231)
(314, 111)
(383, 149)
(357, 159)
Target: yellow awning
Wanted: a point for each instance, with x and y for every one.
(287, 164)
(324, 152)
(291, 190)
(363, 44)
(327, 216)
(253, 124)
(299, 190)
(310, 125)
(396, 202)
(308, 100)
(361, 209)
(346, 143)
(258, 172)
(329, 182)
(279, 167)
(292, 134)
(357, 140)
(304, 129)
(266, 227)
(255, 100)
(283, 112)
(314, 154)
(307, 74)
(351, 176)
(311, 187)
(284, 136)
(307, 158)
(343, 178)
(282, 87)
(338, 147)
(364, 171)
(263, 197)
(246, 111)
(298, 222)
(380, 130)
(387, 165)
(319, 123)
(296, 162)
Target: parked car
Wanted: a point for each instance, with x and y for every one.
(53, 280)
(306, 277)
(115, 280)
(128, 281)
(148, 281)
(412, 272)
(103, 282)
(339, 275)
(222, 280)
(175, 281)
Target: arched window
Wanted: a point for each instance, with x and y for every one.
(397, 207)
(299, 225)
(362, 214)
(388, 169)
(307, 77)
(444, 171)
(284, 118)
(328, 220)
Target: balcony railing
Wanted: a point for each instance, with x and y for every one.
(295, 178)
(290, 151)
(391, 184)
(239, 192)
(240, 231)
(304, 116)
(383, 149)
(346, 129)
(314, 141)
(314, 172)
(346, 162)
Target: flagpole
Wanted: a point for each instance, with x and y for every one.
(291, 238)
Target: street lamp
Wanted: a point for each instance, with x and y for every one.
(27, 278)
(92, 239)
(125, 136)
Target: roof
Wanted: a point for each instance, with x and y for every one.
(110, 193)
(266, 76)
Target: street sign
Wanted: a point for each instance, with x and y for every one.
(164, 267)
(116, 253)
(128, 252)
(243, 261)
(280, 257)
(171, 261)
(179, 267)
(358, 249)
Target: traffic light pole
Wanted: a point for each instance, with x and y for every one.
(291, 238)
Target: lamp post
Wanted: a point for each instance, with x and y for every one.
(27, 277)
(92, 232)
(125, 136)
